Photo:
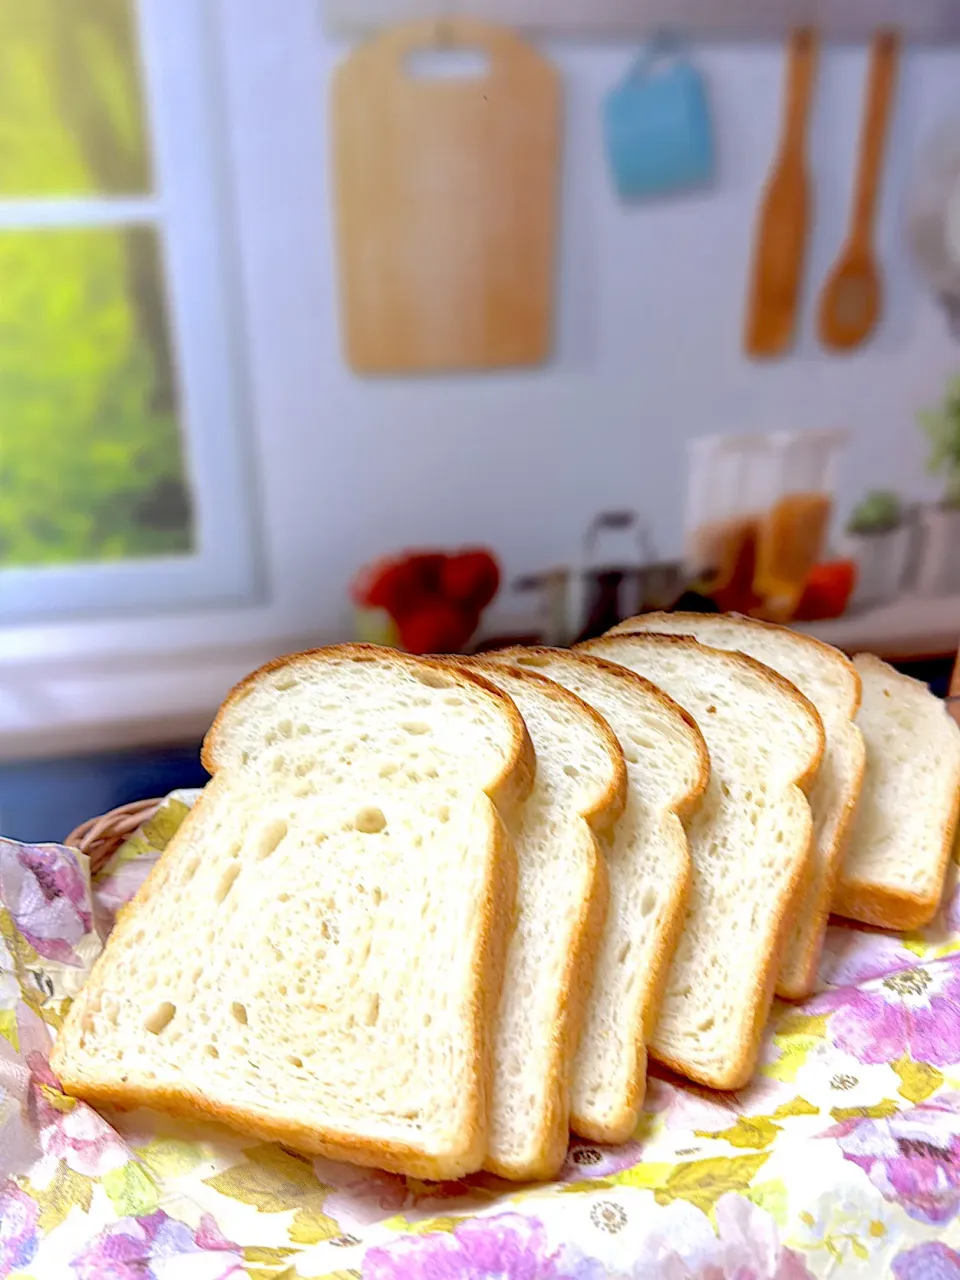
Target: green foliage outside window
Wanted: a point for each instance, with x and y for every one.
(91, 459)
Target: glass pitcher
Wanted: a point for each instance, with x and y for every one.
(725, 502)
(792, 532)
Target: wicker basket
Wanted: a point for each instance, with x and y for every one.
(100, 838)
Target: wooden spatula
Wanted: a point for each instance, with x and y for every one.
(784, 214)
(852, 298)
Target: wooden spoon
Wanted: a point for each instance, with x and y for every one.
(852, 298)
(784, 214)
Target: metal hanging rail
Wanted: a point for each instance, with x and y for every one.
(923, 21)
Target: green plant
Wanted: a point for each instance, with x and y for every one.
(942, 428)
(879, 512)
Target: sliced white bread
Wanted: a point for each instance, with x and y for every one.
(895, 867)
(750, 842)
(580, 789)
(416, 729)
(317, 957)
(648, 867)
(829, 679)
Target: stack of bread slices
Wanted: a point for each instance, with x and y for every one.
(431, 914)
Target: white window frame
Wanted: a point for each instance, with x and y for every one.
(181, 87)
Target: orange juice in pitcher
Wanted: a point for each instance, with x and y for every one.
(725, 552)
(724, 502)
(792, 533)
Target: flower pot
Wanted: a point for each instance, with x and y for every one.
(938, 573)
(881, 560)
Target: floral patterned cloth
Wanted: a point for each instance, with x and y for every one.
(841, 1159)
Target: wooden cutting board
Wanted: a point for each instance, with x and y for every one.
(446, 203)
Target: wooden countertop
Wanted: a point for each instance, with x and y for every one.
(908, 627)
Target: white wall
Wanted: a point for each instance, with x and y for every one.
(650, 301)
(648, 355)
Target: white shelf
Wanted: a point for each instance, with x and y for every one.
(928, 21)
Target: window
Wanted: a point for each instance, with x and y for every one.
(121, 460)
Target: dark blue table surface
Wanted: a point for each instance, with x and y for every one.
(45, 799)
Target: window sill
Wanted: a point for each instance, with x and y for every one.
(73, 707)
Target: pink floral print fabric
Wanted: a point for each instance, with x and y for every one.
(842, 1157)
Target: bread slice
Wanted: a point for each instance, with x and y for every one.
(750, 841)
(829, 679)
(580, 789)
(420, 728)
(318, 954)
(648, 866)
(895, 867)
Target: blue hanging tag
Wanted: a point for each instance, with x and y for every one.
(657, 126)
